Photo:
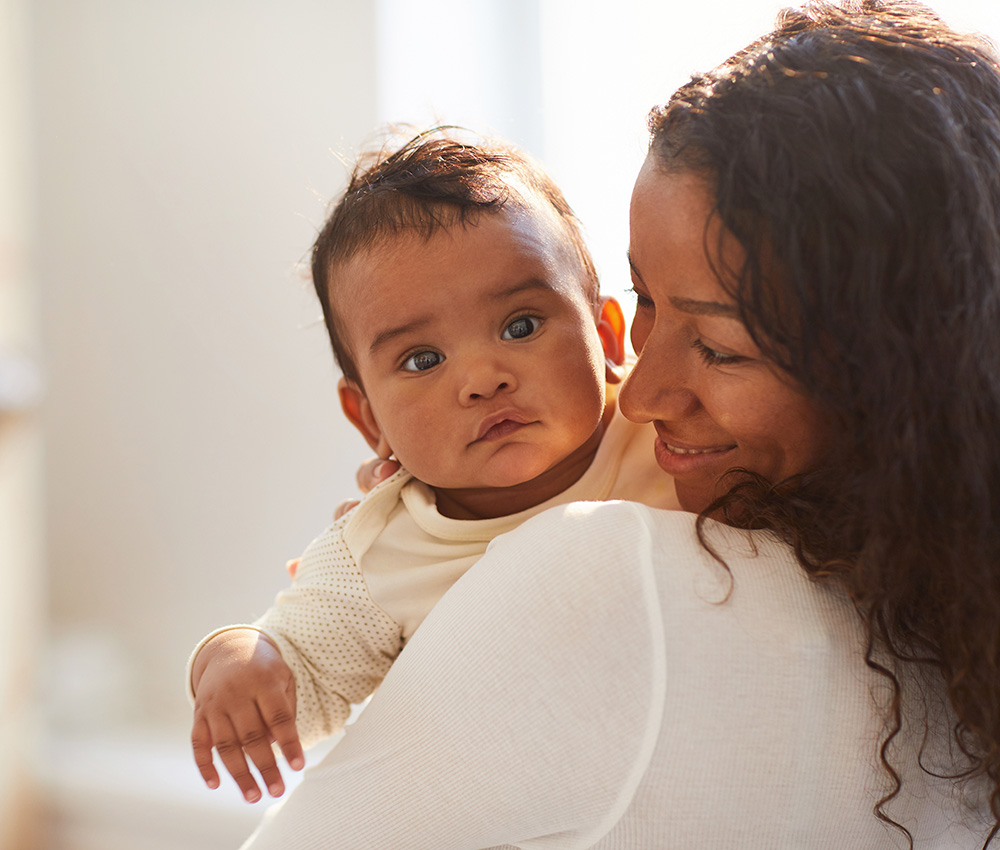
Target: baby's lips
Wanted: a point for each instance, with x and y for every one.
(501, 416)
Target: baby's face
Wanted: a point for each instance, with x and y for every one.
(477, 350)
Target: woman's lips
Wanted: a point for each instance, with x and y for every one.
(679, 458)
(676, 446)
(682, 451)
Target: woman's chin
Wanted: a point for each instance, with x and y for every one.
(693, 499)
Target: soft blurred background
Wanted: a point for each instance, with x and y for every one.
(169, 434)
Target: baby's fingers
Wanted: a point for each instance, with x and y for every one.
(229, 746)
(201, 743)
(255, 740)
(278, 712)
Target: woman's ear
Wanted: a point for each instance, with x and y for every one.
(611, 329)
(356, 408)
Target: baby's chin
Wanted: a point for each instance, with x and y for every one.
(515, 479)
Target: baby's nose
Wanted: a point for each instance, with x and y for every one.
(485, 379)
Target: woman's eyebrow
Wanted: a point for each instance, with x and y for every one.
(705, 308)
(693, 306)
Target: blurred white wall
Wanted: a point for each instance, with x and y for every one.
(184, 153)
(184, 156)
(22, 580)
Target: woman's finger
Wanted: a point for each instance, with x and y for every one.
(374, 471)
(342, 509)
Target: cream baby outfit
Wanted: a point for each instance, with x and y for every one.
(367, 582)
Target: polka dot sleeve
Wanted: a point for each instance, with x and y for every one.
(337, 641)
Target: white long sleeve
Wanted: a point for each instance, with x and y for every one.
(487, 778)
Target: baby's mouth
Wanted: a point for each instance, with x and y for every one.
(501, 430)
(500, 425)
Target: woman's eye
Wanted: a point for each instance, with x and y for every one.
(422, 361)
(644, 302)
(521, 328)
(713, 357)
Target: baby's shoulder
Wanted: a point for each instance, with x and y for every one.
(381, 499)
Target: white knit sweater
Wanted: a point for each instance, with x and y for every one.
(598, 680)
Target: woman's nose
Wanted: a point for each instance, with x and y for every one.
(657, 387)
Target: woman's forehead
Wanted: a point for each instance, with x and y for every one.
(675, 233)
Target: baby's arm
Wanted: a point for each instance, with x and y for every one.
(292, 677)
(244, 698)
(338, 643)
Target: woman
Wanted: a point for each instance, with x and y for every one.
(815, 248)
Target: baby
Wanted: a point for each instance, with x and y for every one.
(464, 312)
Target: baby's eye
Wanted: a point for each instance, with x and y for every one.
(521, 328)
(422, 361)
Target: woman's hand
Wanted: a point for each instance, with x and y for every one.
(372, 472)
(244, 701)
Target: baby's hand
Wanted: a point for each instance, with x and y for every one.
(244, 701)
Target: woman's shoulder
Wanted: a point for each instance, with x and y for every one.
(649, 553)
(594, 518)
(579, 534)
(606, 553)
(634, 525)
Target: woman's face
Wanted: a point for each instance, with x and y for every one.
(715, 403)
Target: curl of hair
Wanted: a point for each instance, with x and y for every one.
(855, 154)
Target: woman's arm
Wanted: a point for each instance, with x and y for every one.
(526, 705)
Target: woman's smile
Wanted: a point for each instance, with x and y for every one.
(684, 462)
(677, 447)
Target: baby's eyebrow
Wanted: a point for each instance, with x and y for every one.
(382, 337)
(531, 283)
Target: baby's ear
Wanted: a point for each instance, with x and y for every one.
(356, 408)
(611, 329)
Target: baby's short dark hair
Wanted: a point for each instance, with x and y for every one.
(434, 181)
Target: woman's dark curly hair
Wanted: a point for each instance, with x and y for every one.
(855, 154)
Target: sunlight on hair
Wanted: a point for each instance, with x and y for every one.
(572, 82)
